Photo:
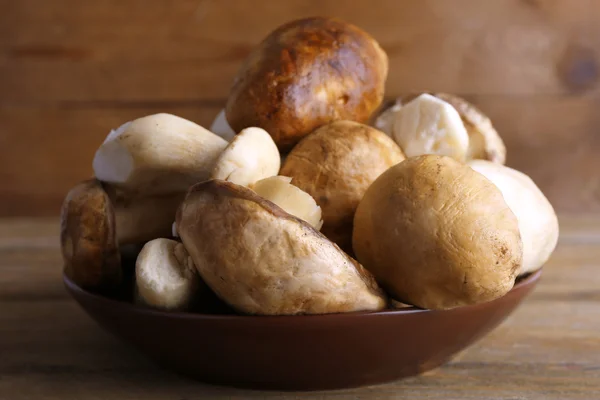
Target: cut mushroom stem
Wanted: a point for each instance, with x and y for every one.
(157, 154)
(484, 142)
(280, 191)
(251, 156)
(166, 277)
(428, 125)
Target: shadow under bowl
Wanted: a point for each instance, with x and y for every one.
(313, 352)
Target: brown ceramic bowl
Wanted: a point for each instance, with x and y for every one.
(301, 352)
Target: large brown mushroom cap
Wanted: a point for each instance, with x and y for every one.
(305, 74)
(437, 234)
(88, 237)
(335, 165)
(262, 260)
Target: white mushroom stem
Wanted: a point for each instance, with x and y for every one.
(221, 127)
(294, 201)
(166, 277)
(427, 125)
(538, 223)
(157, 154)
(251, 156)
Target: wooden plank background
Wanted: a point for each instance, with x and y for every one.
(71, 70)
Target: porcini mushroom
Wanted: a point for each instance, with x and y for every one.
(165, 276)
(261, 260)
(538, 223)
(429, 126)
(437, 234)
(157, 154)
(294, 201)
(96, 220)
(88, 238)
(335, 165)
(250, 156)
(305, 74)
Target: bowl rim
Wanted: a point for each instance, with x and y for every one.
(72, 287)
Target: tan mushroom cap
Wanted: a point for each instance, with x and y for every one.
(438, 235)
(335, 165)
(88, 238)
(262, 260)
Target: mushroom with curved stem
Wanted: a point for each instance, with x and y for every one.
(157, 154)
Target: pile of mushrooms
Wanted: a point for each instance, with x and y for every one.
(308, 195)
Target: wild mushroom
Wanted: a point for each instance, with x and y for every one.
(250, 156)
(428, 125)
(96, 221)
(538, 223)
(89, 244)
(165, 276)
(261, 260)
(157, 154)
(335, 165)
(437, 234)
(280, 191)
(424, 124)
(305, 74)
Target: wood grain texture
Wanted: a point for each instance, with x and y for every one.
(70, 71)
(51, 350)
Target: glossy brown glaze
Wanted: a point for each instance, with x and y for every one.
(305, 74)
(301, 352)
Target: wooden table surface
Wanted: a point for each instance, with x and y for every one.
(49, 349)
